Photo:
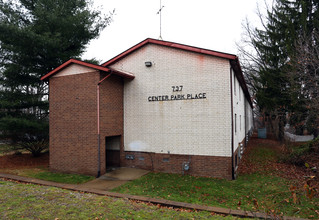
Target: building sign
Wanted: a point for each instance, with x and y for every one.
(174, 97)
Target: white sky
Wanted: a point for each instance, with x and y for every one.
(210, 24)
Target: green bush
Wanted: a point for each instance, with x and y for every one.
(36, 148)
(298, 153)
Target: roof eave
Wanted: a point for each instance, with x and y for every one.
(240, 76)
(171, 45)
(90, 65)
(73, 61)
(122, 74)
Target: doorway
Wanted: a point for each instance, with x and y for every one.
(112, 152)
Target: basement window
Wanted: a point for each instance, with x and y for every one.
(236, 161)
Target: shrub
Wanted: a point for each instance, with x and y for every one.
(298, 153)
(36, 148)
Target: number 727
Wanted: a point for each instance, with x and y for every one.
(177, 88)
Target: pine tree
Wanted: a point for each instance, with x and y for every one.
(35, 37)
(274, 45)
(278, 89)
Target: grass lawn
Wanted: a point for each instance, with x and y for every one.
(261, 190)
(43, 173)
(4, 148)
(28, 166)
(261, 187)
(28, 201)
(254, 192)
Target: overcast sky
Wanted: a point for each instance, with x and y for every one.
(210, 24)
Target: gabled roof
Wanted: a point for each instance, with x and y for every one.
(234, 62)
(171, 45)
(90, 65)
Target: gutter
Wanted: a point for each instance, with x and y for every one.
(232, 125)
(98, 124)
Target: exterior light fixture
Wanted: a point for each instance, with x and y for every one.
(148, 63)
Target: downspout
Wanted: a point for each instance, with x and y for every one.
(232, 126)
(98, 125)
(246, 135)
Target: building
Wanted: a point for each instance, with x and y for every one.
(159, 105)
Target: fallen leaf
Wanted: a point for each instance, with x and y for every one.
(255, 203)
(294, 197)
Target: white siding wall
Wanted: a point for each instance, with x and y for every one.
(238, 112)
(74, 69)
(250, 117)
(194, 127)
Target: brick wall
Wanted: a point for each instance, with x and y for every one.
(73, 132)
(73, 120)
(211, 166)
(111, 114)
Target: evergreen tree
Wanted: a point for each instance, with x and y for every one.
(278, 91)
(306, 63)
(35, 37)
(274, 44)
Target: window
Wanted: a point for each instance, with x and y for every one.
(235, 85)
(236, 161)
(235, 123)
